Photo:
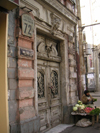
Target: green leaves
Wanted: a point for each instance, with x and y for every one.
(95, 111)
(95, 100)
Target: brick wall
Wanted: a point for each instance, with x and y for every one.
(22, 116)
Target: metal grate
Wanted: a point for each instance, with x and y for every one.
(40, 84)
(54, 83)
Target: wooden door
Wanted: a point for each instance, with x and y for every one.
(48, 81)
(48, 84)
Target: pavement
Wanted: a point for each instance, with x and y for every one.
(90, 129)
(71, 128)
(60, 128)
(95, 94)
(67, 128)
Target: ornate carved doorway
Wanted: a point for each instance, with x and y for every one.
(48, 82)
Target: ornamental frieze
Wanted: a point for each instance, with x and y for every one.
(62, 9)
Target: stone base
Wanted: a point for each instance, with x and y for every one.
(67, 117)
(28, 126)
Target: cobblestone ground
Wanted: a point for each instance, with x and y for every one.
(90, 129)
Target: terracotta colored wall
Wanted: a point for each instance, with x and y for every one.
(21, 77)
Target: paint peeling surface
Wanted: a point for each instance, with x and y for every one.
(24, 63)
(25, 73)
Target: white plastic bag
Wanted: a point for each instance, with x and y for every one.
(84, 123)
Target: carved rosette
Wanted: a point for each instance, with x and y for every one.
(55, 22)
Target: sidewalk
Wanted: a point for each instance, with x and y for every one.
(68, 128)
(90, 129)
(71, 128)
(95, 94)
(60, 128)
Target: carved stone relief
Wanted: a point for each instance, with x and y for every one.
(46, 47)
(55, 22)
(49, 102)
(63, 10)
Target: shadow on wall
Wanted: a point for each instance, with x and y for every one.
(67, 117)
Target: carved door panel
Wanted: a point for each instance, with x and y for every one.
(42, 93)
(48, 84)
(55, 102)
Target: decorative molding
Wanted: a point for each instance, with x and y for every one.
(46, 47)
(71, 51)
(55, 23)
(71, 39)
(44, 57)
(26, 38)
(32, 8)
(62, 9)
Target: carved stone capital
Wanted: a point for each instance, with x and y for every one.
(55, 22)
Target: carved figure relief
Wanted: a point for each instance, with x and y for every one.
(46, 47)
(55, 22)
(40, 84)
(54, 84)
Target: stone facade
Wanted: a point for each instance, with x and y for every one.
(42, 71)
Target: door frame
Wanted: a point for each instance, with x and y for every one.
(64, 66)
(4, 121)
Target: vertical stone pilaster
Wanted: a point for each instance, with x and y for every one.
(72, 70)
(25, 74)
